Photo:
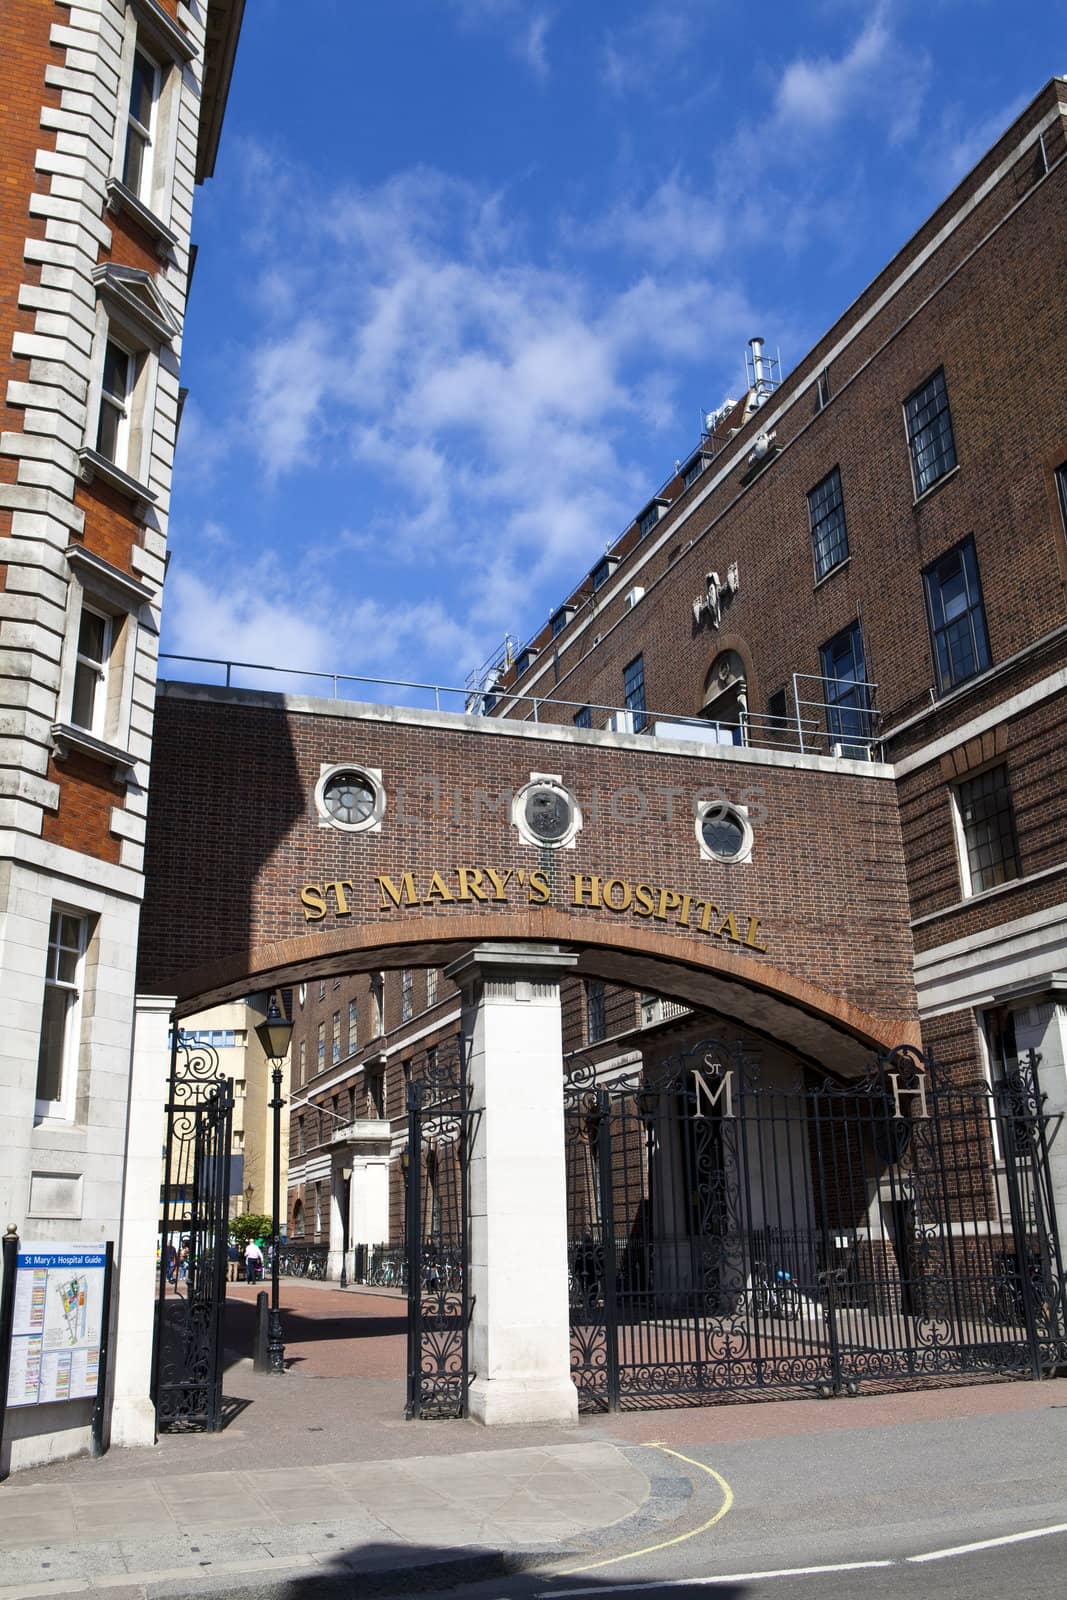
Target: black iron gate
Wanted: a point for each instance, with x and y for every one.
(193, 1242)
(735, 1228)
(437, 1231)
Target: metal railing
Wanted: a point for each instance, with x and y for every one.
(842, 724)
(303, 1261)
(382, 1266)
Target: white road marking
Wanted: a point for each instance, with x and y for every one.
(991, 1544)
(719, 1577)
(809, 1572)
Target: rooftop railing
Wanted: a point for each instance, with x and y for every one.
(840, 721)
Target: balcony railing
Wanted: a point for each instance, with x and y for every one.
(828, 717)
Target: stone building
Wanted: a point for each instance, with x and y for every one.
(112, 115)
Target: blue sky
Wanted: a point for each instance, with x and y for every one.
(470, 270)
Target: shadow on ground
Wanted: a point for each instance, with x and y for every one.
(370, 1570)
(300, 1330)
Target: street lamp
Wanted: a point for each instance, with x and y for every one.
(274, 1034)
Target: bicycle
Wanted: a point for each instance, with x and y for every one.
(774, 1294)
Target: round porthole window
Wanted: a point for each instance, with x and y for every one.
(546, 813)
(350, 797)
(724, 833)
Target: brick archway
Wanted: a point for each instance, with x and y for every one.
(248, 885)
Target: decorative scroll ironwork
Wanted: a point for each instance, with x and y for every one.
(194, 1242)
(734, 1228)
(437, 1229)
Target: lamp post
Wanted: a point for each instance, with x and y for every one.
(274, 1034)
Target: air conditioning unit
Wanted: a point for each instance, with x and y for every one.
(635, 594)
(621, 722)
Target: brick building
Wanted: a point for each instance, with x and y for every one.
(111, 115)
(865, 560)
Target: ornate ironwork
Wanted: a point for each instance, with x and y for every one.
(194, 1242)
(740, 1228)
(437, 1230)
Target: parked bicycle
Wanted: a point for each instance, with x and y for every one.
(774, 1293)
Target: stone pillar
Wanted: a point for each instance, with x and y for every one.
(520, 1330)
(1042, 1026)
(133, 1416)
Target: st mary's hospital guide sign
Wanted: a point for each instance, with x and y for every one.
(57, 1322)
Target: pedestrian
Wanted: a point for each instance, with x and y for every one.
(183, 1261)
(253, 1262)
(172, 1263)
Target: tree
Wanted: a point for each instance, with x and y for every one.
(253, 1225)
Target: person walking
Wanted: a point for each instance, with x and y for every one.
(253, 1262)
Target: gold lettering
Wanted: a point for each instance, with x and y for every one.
(669, 900)
(339, 895)
(683, 915)
(627, 893)
(750, 936)
(311, 898)
(468, 888)
(390, 893)
(438, 890)
(643, 900)
(538, 886)
(580, 891)
(499, 881)
(707, 908)
(727, 929)
(723, 1092)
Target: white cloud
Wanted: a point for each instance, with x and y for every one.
(875, 74)
(676, 222)
(526, 37)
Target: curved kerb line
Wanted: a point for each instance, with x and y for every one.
(665, 1544)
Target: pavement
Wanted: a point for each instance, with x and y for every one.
(318, 1485)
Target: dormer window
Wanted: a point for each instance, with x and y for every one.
(560, 620)
(525, 660)
(650, 516)
(602, 572)
(693, 468)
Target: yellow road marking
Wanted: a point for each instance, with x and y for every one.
(665, 1544)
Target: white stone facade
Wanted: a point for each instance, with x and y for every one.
(76, 1175)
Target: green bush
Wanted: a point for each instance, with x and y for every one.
(253, 1225)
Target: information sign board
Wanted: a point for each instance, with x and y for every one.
(57, 1323)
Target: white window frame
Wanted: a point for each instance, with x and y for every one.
(100, 670)
(150, 32)
(123, 405)
(96, 585)
(62, 1109)
(959, 830)
(149, 135)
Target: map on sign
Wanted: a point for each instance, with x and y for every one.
(58, 1318)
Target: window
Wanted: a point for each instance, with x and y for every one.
(406, 994)
(583, 718)
(431, 986)
(826, 513)
(987, 823)
(929, 425)
(822, 389)
(1061, 490)
(141, 121)
(560, 620)
(322, 988)
(524, 660)
(777, 713)
(337, 982)
(299, 1148)
(303, 1072)
(376, 1094)
(116, 403)
(61, 1014)
(377, 1003)
(322, 1046)
(298, 1208)
(336, 1037)
(90, 672)
(649, 519)
(602, 572)
(353, 1026)
(848, 709)
(633, 680)
(134, 322)
(956, 616)
(594, 1011)
(693, 470)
